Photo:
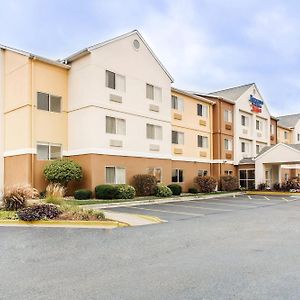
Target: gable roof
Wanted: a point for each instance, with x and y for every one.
(289, 121)
(88, 50)
(267, 148)
(233, 93)
(192, 95)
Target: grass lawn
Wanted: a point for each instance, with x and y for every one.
(8, 215)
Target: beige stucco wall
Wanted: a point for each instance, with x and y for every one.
(280, 135)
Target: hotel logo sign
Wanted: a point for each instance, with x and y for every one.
(256, 104)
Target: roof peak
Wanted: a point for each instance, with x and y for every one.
(234, 87)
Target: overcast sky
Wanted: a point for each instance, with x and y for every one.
(206, 45)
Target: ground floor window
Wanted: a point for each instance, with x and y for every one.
(247, 179)
(115, 175)
(202, 172)
(47, 151)
(156, 172)
(177, 175)
(228, 172)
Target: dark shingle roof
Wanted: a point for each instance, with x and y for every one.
(232, 93)
(289, 120)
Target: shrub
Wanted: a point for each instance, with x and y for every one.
(125, 191)
(83, 194)
(38, 212)
(63, 171)
(77, 213)
(175, 188)
(144, 184)
(193, 190)
(276, 186)
(106, 191)
(15, 197)
(229, 183)
(291, 184)
(206, 184)
(262, 187)
(163, 191)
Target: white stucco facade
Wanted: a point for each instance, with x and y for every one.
(248, 133)
(90, 101)
(1, 120)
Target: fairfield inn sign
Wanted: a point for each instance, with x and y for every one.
(256, 104)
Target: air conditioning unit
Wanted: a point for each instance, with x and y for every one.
(115, 98)
(154, 147)
(178, 151)
(116, 143)
(154, 108)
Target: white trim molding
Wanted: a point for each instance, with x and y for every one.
(19, 152)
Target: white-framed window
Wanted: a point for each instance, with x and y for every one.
(202, 173)
(244, 121)
(115, 175)
(153, 132)
(272, 129)
(177, 103)
(285, 134)
(156, 172)
(228, 172)
(115, 81)
(257, 149)
(228, 116)
(202, 141)
(177, 137)
(48, 102)
(228, 144)
(153, 92)
(202, 110)
(245, 147)
(115, 125)
(48, 151)
(247, 178)
(177, 175)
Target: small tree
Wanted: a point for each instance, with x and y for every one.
(229, 183)
(63, 171)
(205, 184)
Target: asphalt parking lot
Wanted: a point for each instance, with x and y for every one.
(182, 210)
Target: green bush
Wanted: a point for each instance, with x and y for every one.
(106, 191)
(206, 184)
(144, 184)
(162, 191)
(229, 183)
(175, 188)
(38, 212)
(125, 191)
(63, 171)
(82, 194)
(193, 190)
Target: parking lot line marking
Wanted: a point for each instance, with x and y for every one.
(249, 197)
(267, 198)
(192, 206)
(229, 204)
(285, 199)
(170, 212)
(263, 202)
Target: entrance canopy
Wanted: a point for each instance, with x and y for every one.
(271, 160)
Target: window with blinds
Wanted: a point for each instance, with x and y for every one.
(177, 137)
(202, 110)
(202, 141)
(154, 132)
(115, 81)
(48, 102)
(115, 126)
(153, 92)
(115, 175)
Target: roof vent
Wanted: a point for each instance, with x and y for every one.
(136, 44)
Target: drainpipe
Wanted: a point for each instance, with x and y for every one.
(32, 121)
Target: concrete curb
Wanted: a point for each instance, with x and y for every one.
(157, 201)
(64, 224)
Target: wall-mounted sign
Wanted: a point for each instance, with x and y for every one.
(256, 104)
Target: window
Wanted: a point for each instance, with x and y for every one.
(202, 110)
(46, 151)
(257, 149)
(154, 132)
(156, 172)
(228, 172)
(115, 125)
(177, 137)
(247, 179)
(115, 81)
(285, 135)
(228, 116)
(298, 137)
(115, 175)
(202, 173)
(177, 175)
(228, 144)
(48, 102)
(202, 141)
(244, 147)
(257, 125)
(177, 103)
(244, 120)
(153, 92)
(272, 129)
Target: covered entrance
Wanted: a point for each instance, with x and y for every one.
(276, 164)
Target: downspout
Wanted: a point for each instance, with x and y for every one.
(32, 120)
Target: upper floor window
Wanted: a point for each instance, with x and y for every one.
(154, 132)
(244, 120)
(285, 134)
(177, 103)
(47, 151)
(228, 144)
(257, 149)
(177, 137)
(115, 175)
(298, 137)
(115, 125)
(228, 116)
(177, 175)
(156, 172)
(48, 102)
(244, 147)
(153, 92)
(259, 125)
(115, 81)
(202, 141)
(272, 129)
(202, 110)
